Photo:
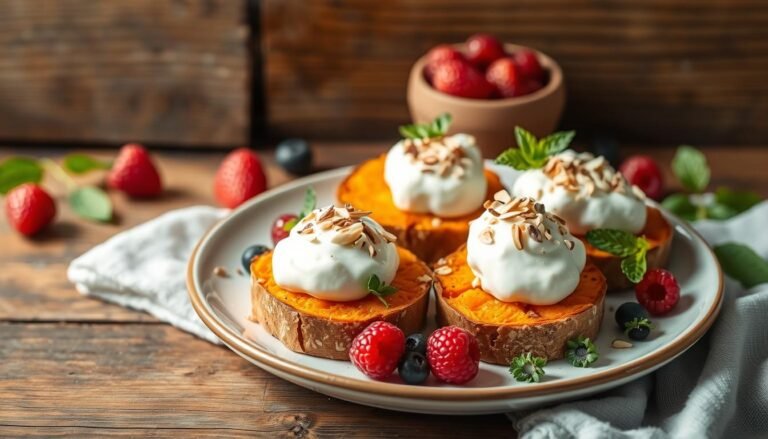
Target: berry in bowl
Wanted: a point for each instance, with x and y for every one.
(489, 88)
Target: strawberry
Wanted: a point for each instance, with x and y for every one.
(528, 65)
(134, 173)
(239, 178)
(439, 54)
(29, 208)
(504, 75)
(458, 78)
(483, 49)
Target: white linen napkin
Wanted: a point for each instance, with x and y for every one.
(144, 268)
(718, 388)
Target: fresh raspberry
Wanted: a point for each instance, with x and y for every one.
(458, 78)
(643, 172)
(483, 49)
(239, 178)
(453, 354)
(528, 65)
(282, 226)
(658, 292)
(377, 350)
(438, 54)
(134, 173)
(504, 75)
(29, 208)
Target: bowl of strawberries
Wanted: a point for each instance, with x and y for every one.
(489, 88)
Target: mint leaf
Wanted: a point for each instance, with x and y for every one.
(557, 142)
(437, 128)
(719, 211)
(310, 202)
(92, 203)
(378, 289)
(634, 266)
(739, 201)
(691, 169)
(680, 205)
(81, 163)
(513, 158)
(742, 263)
(15, 171)
(526, 144)
(615, 242)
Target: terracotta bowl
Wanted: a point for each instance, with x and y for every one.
(491, 121)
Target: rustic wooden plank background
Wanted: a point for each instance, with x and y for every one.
(156, 71)
(653, 71)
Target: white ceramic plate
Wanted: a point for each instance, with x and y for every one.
(224, 305)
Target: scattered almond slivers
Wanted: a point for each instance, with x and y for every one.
(443, 156)
(587, 171)
(347, 226)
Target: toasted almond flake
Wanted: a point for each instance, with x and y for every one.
(621, 344)
(563, 231)
(534, 233)
(517, 236)
(476, 282)
(325, 225)
(493, 220)
(429, 160)
(502, 196)
(539, 208)
(220, 272)
(436, 222)
(465, 161)
(511, 214)
(569, 244)
(424, 278)
(486, 236)
(532, 314)
(638, 192)
(444, 270)
(558, 219)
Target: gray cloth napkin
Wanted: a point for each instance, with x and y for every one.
(718, 388)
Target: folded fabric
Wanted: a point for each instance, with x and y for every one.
(144, 268)
(718, 388)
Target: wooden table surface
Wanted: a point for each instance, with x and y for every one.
(70, 364)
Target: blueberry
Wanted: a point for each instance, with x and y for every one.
(250, 253)
(416, 343)
(413, 368)
(632, 318)
(294, 155)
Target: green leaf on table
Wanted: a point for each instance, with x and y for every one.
(691, 169)
(634, 266)
(616, 242)
(742, 263)
(379, 289)
(739, 201)
(15, 171)
(532, 153)
(719, 211)
(91, 203)
(680, 205)
(81, 163)
(310, 203)
(437, 128)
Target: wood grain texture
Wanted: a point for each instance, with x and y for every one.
(647, 71)
(77, 366)
(156, 71)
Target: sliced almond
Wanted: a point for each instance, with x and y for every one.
(436, 222)
(444, 270)
(569, 244)
(429, 160)
(486, 236)
(502, 196)
(621, 344)
(517, 236)
(424, 278)
(534, 233)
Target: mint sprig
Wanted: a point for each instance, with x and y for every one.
(581, 352)
(91, 203)
(82, 163)
(310, 202)
(631, 248)
(379, 289)
(533, 153)
(742, 263)
(438, 127)
(527, 368)
(15, 171)
(691, 168)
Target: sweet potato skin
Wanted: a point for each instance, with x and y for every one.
(659, 234)
(426, 235)
(322, 336)
(541, 330)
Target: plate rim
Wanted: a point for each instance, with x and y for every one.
(259, 355)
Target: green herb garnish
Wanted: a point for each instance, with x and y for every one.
(310, 202)
(15, 171)
(742, 263)
(82, 163)
(631, 248)
(527, 368)
(532, 153)
(637, 323)
(437, 128)
(379, 289)
(581, 352)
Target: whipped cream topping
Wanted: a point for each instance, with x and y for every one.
(585, 191)
(443, 176)
(521, 253)
(332, 252)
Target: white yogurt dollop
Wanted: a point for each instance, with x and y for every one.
(440, 176)
(332, 252)
(586, 192)
(529, 258)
